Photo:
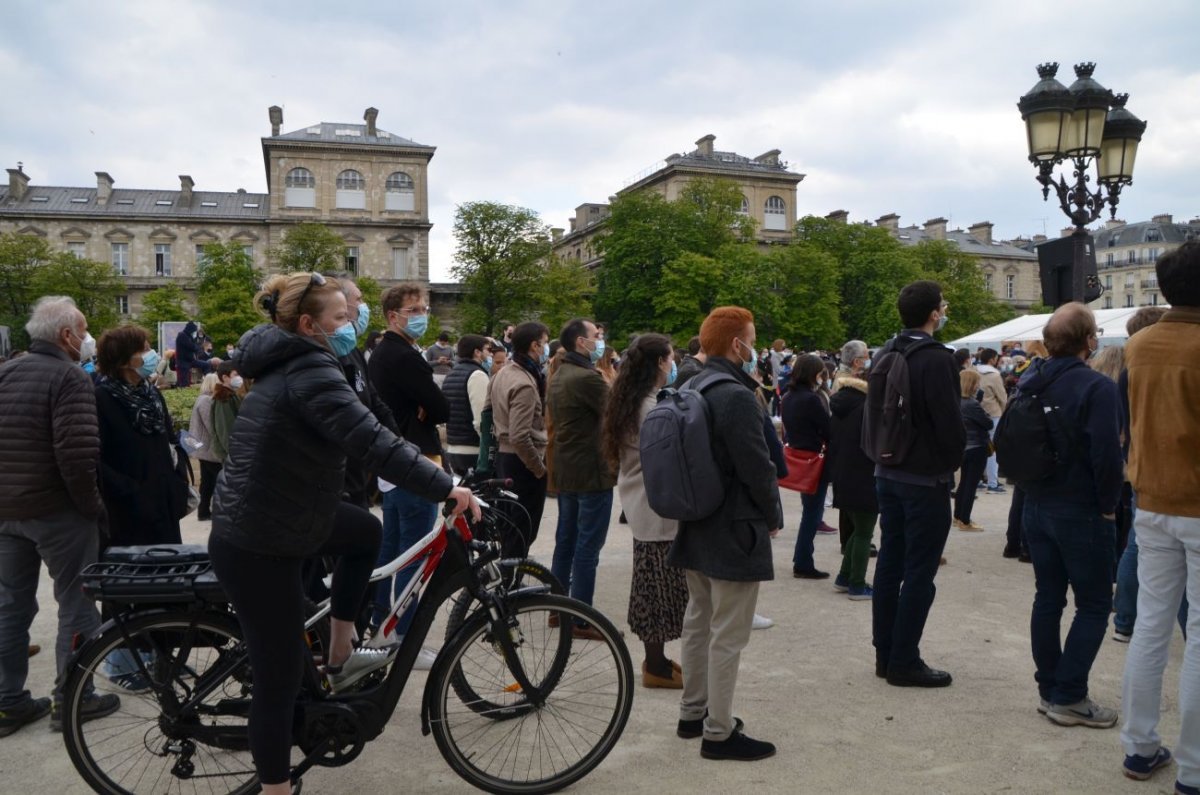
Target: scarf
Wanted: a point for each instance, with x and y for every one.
(533, 369)
(142, 403)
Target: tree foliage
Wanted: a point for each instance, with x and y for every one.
(563, 291)
(162, 305)
(972, 307)
(499, 256)
(310, 247)
(94, 286)
(20, 258)
(226, 282)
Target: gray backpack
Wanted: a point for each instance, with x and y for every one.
(681, 475)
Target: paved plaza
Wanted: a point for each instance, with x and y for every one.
(807, 684)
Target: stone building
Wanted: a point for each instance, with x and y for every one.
(768, 195)
(1126, 253)
(368, 185)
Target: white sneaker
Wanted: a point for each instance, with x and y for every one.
(761, 622)
(360, 663)
(425, 659)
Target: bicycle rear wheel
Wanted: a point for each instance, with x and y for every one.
(150, 744)
(515, 745)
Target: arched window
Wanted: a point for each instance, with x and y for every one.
(745, 207)
(351, 193)
(299, 188)
(399, 192)
(775, 215)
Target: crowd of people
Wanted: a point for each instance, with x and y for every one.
(302, 429)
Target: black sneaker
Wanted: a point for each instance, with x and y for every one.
(691, 729)
(1140, 768)
(14, 718)
(737, 747)
(919, 675)
(94, 707)
(810, 574)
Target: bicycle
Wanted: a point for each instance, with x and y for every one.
(541, 708)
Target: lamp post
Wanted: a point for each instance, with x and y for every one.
(1082, 124)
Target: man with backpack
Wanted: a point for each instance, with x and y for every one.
(913, 431)
(1060, 440)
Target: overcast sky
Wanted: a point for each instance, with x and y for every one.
(886, 107)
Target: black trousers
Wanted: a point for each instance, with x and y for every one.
(268, 595)
(531, 494)
(973, 464)
(1016, 523)
(208, 482)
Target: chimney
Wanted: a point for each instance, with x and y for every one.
(890, 222)
(572, 222)
(18, 181)
(1164, 218)
(104, 185)
(936, 228)
(556, 233)
(369, 117)
(276, 114)
(1067, 231)
(981, 231)
(1039, 239)
(705, 145)
(838, 216)
(1113, 223)
(185, 190)
(770, 158)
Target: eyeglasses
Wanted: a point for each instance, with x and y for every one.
(318, 280)
(415, 310)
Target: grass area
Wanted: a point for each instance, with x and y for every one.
(179, 403)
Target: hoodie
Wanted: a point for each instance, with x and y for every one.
(1088, 405)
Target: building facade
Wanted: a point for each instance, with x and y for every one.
(1125, 257)
(367, 185)
(768, 195)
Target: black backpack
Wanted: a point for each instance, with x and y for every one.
(682, 478)
(1024, 440)
(888, 432)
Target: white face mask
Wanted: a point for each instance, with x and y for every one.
(236, 382)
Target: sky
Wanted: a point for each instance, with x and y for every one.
(886, 107)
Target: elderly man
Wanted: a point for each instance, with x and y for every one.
(49, 502)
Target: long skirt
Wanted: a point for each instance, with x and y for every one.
(658, 594)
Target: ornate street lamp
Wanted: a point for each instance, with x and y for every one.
(1079, 124)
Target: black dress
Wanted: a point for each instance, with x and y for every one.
(137, 480)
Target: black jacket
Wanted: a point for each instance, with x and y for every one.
(281, 483)
(688, 368)
(358, 477)
(976, 422)
(460, 426)
(847, 466)
(805, 419)
(734, 543)
(1089, 406)
(937, 418)
(142, 494)
(404, 380)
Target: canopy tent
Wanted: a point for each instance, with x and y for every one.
(1029, 327)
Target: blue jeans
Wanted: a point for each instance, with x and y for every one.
(914, 523)
(406, 520)
(1125, 602)
(813, 512)
(582, 527)
(1072, 547)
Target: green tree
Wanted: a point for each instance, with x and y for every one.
(20, 258)
(94, 286)
(162, 305)
(226, 282)
(563, 291)
(499, 257)
(972, 307)
(808, 282)
(310, 247)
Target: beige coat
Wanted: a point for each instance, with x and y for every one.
(645, 523)
(519, 416)
(995, 398)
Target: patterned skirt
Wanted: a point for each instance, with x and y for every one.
(658, 594)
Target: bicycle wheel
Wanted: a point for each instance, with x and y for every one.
(150, 744)
(526, 572)
(536, 748)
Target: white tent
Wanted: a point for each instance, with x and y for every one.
(1029, 327)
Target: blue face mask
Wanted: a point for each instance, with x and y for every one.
(487, 365)
(342, 341)
(364, 317)
(597, 352)
(672, 375)
(748, 366)
(149, 363)
(417, 326)
(545, 354)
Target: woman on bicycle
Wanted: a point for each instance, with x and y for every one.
(278, 501)
(658, 593)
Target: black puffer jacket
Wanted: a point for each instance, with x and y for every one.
(284, 475)
(848, 468)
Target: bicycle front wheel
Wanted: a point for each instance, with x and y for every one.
(533, 748)
(152, 665)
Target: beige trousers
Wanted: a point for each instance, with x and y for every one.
(716, 627)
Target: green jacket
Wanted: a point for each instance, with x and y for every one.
(224, 412)
(576, 398)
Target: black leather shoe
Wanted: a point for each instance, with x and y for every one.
(737, 747)
(691, 729)
(810, 574)
(920, 675)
